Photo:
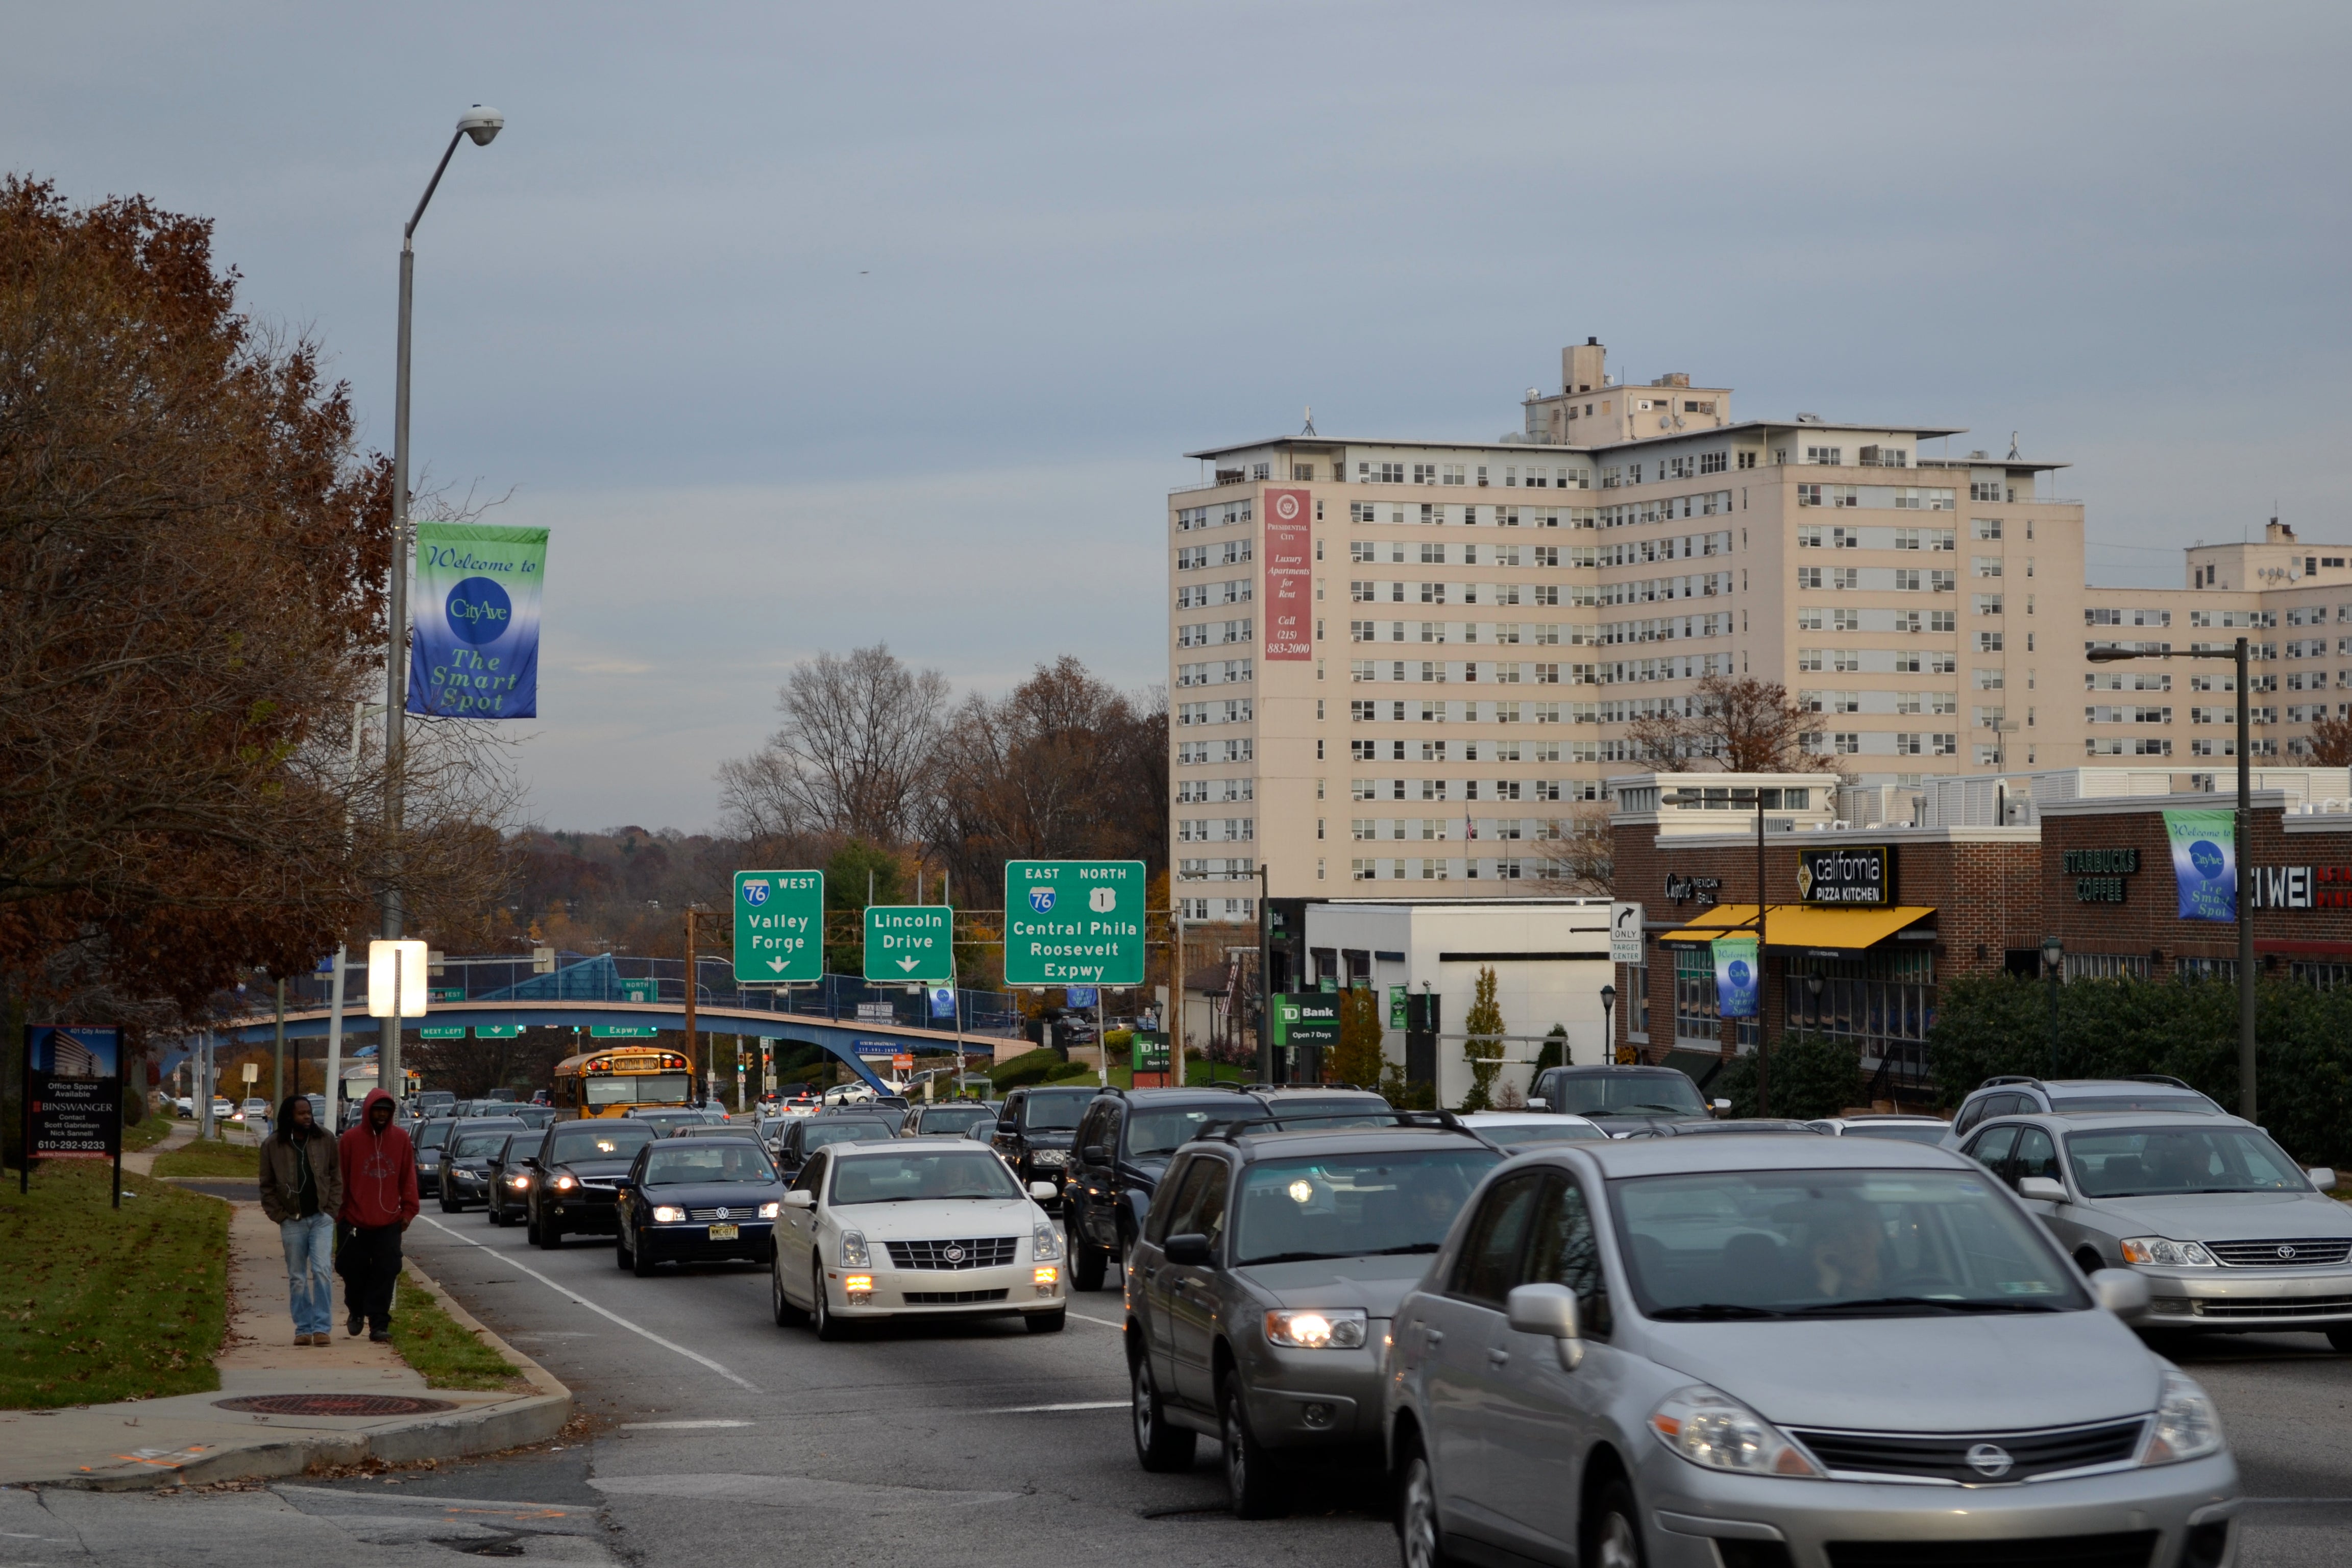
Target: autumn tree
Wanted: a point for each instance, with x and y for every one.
(1356, 1057)
(852, 756)
(1484, 1028)
(1741, 725)
(2331, 741)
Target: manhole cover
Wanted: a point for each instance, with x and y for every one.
(334, 1404)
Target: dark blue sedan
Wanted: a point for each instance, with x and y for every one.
(699, 1200)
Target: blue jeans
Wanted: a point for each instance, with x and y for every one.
(309, 1271)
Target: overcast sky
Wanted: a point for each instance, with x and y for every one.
(808, 326)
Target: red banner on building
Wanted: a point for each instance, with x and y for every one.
(1290, 552)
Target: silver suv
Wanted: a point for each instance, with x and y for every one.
(2022, 1096)
(1780, 1350)
(2231, 1235)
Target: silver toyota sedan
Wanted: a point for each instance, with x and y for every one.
(2231, 1235)
(1774, 1349)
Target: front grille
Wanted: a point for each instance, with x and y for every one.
(951, 1298)
(1938, 1457)
(2275, 1306)
(2287, 1252)
(2123, 1549)
(726, 1214)
(982, 1252)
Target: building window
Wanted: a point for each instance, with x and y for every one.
(1637, 1001)
(1695, 1022)
(1882, 1001)
(2104, 966)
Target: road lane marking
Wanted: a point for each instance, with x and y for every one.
(565, 1290)
(1099, 1322)
(676, 1425)
(1042, 1409)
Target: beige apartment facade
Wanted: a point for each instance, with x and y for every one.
(1414, 662)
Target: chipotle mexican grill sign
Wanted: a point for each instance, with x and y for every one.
(1849, 875)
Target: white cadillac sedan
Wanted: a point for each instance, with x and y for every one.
(908, 1229)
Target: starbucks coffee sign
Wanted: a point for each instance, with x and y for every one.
(1847, 877)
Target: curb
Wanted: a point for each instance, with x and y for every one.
(534, 1419)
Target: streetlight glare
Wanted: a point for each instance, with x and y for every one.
(483, 124)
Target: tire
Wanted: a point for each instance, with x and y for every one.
(550, 1235)
(447, 1207)
(1253, 1489)
(2340, 1338)
(1421, 1543)
(1159, 1447)
(621, 1258)
(530, 1227)
(1613, 1528)
(1045, 1322)
(2089, 1262)
(495, 1215)
(787, 1315)
(829, 1328)
(1086, 1267)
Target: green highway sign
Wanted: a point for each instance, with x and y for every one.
(496, 1031)
(909, 941)
(623, 1031)
(779, 927)
(442, 1032)
(1074, 922)
(640, 990)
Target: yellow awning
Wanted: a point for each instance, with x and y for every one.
(1792, 925)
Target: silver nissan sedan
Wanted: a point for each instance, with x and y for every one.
(1768, 1350)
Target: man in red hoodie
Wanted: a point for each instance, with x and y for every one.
(379, 1200)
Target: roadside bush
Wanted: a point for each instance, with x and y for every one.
(1040, 1066)
(1806, 1075)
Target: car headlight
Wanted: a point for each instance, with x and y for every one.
(2186, 1428)
(1049, 1156)
(518, 1181)
(771, 1209)
(1317, 1327)
(665, 1214)
(1046, 1245)
(2165, 1253)
(1715, 1432)
(564, 1184)
(853, 1250)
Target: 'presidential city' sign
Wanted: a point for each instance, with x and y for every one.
(1074, 922)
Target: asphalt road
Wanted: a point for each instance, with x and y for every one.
(720, 1434)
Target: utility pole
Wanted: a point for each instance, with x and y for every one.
(278, 1062)
(1265, 983)
(692, 1055)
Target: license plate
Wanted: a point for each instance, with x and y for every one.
(723, 1232)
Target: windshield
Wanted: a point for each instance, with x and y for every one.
(2154, 1099)
(1156, 1134)
(1053, 1112)
(614, 1140)
(471, 1145)
(955, 1123)
(1903, 1131)
(649, 1089)
(1551, 1130)
(914, 1178)
(1628, 1093)
(1354, 1205)
(820, 1133)
(2144, 1160)
(433, 1135)
(1819, 1244)
(733, 1162)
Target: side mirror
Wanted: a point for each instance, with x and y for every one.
(1094, 1154)
(1190, 1250)
(2120, 1291)
(1537, 1102)
(801, 1198)
(1043, 1192)
(2042, 1190)
(2320, 1176)
(1548, 1310)
(1720, 1105)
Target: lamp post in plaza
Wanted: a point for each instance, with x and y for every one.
(2054, 955)
(482, 124)
(2245, 834)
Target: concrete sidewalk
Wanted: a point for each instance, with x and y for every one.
(188, 1438)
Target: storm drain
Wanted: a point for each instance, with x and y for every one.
(333, 1405)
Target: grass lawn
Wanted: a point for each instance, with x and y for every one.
(1198, 1072)
(448, 1354)
(152, 1129)
(99, 1305)
(210, 1157)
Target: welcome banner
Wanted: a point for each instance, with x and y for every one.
(2205, 863)
(1735, 976)
(474, 651)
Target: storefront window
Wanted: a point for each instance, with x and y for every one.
(1637, 982)
(2322, 974)
(1884, 1002)
(2106, 966)
(2222, 969)
(1696, 1022)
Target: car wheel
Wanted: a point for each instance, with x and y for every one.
(2340, 1338)
(787, 1315)
(1085, 1267)
(828, 1327)
(639, 1264)
(1045, 1322)
(1251, 1488)
(447, 1207)
(1613, 1532)
(2088, 1261)
(1159, 1447)
(529, 1227)
(550, 1233)
(496, 1216)
(1419, 1541)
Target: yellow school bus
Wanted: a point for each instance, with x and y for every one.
(606, 1083)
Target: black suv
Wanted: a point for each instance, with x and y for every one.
(1623, 1100)
(1033, 1129)
(572, 1168)
(1121, 1148)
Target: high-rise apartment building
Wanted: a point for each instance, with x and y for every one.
(1416, 661)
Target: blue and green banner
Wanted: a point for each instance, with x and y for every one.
(475, 652)
(1735, 976)
(2205, 863)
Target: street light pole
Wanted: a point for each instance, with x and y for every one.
(2247, 1103)
(483, 125)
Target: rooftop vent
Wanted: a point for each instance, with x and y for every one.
(1809, 419)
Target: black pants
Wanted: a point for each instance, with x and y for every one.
(369, 1261)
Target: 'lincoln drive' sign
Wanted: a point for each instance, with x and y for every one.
(1851, 876)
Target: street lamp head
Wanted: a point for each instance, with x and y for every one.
(1608, 995)
(2052, 950)
(483, 124)
(2109, 654)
